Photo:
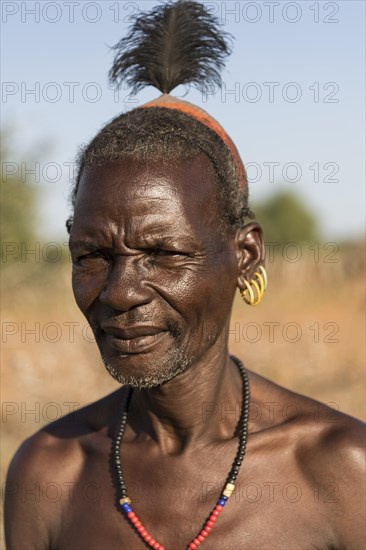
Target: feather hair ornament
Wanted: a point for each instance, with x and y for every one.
(176, 43)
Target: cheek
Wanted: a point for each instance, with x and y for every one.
(223, 283)
(86, 288)
(218, 293)
(205, 293)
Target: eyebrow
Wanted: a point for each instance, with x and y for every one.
(167, 239)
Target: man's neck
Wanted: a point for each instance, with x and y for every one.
(198, 406)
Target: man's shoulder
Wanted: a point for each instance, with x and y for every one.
(322, 449)
(64, 441)
(318, 432)
(280, 405)
(324, 430)
(331, 457)
(48, 460)
(333, 442)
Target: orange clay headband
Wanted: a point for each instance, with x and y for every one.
(170, 102)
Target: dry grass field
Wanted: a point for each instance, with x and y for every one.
(307, 335)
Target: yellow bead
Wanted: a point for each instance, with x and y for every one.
(125, 500)
(228, 491)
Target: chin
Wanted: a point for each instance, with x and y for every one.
(141, 371)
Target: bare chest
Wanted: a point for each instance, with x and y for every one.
(272, 506)
(104, 528)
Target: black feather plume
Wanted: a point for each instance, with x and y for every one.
(175, 43)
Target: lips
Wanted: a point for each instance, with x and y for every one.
(136, 339)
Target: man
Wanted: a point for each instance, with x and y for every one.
(159, 244)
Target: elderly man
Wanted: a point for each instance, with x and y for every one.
(160, 244)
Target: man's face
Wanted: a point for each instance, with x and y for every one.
(152, 273)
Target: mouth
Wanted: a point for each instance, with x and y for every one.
(132, 340)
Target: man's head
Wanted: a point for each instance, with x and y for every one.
(147, 134)
(157, 249)
(159, 241)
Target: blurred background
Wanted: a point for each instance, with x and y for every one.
(293, 102)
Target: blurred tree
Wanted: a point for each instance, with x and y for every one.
(285, 218)
(18, 206)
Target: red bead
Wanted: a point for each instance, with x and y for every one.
(148, 537)
(142, 531)
(201, 538)
(209, 524)
(218, 507)
(156, 546)
(137, 523)
(216, 513)
(196, 542)
(131, 514)
(152, 542)
(192, 546)
(204, 532)
(213, 518)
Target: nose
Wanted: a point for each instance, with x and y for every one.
(125, 288)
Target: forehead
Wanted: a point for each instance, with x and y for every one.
(131, 192)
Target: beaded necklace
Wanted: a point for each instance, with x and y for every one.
(228, 487)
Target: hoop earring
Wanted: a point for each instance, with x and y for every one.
(258, 292)
(251, 299)
(264, 273)
(259, 284)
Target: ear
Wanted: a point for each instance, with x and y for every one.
(250, 251)
(69, 224)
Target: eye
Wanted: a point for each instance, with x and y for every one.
(94, 255)
(163, 252)
(164, 257)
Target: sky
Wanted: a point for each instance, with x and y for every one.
(292, 98)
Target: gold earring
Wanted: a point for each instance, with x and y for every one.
(251, 299)
(259, 285)
(264, 273)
